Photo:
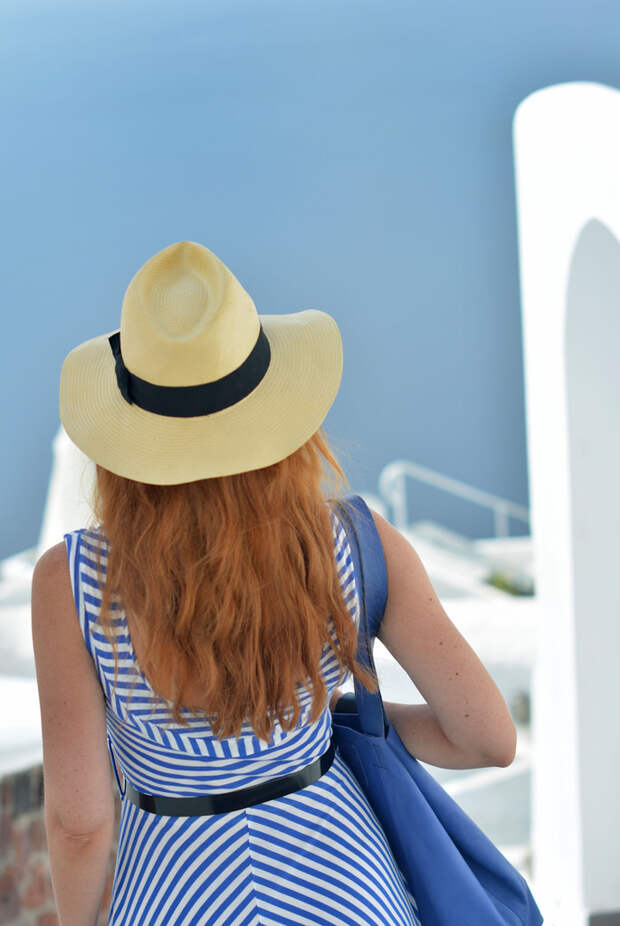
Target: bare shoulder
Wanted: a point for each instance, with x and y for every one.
(51, 593)
(52, 565)
(412, 600)
(389, 534)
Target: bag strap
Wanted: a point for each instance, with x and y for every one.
(373, 568)
(371, 573)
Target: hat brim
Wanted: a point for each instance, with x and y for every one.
(274, 420)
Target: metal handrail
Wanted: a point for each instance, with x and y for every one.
(392, 488)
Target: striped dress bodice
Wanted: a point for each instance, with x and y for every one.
(316, 856)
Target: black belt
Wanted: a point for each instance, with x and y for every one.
(232, 800)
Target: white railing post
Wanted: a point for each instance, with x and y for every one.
(501, 520)
(393, 489)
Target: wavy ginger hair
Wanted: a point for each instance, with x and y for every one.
(232, 580)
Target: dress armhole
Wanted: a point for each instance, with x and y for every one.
(73, 543)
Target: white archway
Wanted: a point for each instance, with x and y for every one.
(68, 502)
(567, 167)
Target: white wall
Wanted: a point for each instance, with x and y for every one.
(567, 157)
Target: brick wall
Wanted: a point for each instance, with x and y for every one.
(26, 897)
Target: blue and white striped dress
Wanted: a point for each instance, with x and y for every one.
(317, 856)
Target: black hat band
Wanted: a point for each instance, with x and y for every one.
(192, 401)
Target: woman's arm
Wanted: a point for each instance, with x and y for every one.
(424, 739)
(79, 869)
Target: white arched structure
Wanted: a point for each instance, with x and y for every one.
(69, 493)
(567, 169)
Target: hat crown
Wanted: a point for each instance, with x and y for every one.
(186, 319)
(261, 384)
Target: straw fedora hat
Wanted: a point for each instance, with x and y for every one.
(196, 384)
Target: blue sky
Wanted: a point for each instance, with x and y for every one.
(350, 156)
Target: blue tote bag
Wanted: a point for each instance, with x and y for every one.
(456, 874)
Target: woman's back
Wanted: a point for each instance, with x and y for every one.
(204, 420)
(315, 856)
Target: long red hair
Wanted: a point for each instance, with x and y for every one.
(233, 581)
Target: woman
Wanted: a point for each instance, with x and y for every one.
(200, 626)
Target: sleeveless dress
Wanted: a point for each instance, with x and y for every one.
(316, 856)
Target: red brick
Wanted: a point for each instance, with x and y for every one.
(38, 834)
(29, 837)
(6, 836)
(38, 886)
(9, 896)
(21, 846)
(48, 919)
(6, 793)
